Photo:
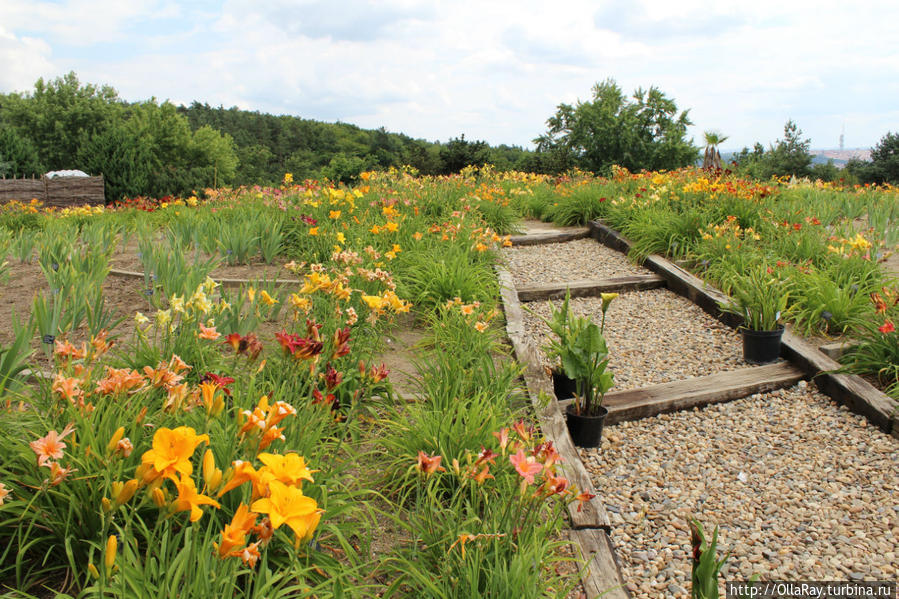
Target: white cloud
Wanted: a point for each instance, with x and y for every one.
(491, 70)
(22, 57)
(85, 22)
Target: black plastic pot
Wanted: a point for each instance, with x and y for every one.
(585, 431)
(563, 387)
(761, 347)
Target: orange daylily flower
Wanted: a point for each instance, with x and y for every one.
(50, 446)
(524, 430)
(288, 505)
(235, 534)
(120, 380)
(64, 349)
(527, 466)
(429, 464)
(250, 554)
(208, 333)
(162, 376)
(67, 387)
(189, 499)
(214, 403)
(289, 469)
(171, 453)
(583, 498)
(3, 493)
(241, 472)
(503, 437)
(58, 473)
(483, 475)
(269, 436)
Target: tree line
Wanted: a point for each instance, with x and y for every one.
(157, 149)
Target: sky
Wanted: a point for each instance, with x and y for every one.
(491, 70)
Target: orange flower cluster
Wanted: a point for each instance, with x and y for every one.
(49, 450)
(529, 458)
(277, 490)
(474, 313)
(259, 427)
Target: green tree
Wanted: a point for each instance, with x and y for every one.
(60, 115)
(459, 153)
(18, 156)
(124, 160)
(645, 131)
(343, 168)
(788, 157)
(254, 165)
(884, 166)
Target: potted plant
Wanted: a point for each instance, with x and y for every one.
(583, 355)
(760, 298)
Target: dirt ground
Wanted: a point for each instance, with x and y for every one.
(122, 294)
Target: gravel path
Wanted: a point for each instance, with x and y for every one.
(654, 337)
(801, 488)
(569, 261)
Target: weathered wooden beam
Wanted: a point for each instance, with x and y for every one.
(848, 389)
(634, 404)
(851, 390)
(837, 349)
(588, 287)
(678, 279)
(603, 576)
(129, 274)
(549, 237)
(552, 422)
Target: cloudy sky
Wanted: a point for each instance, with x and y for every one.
(493, 70)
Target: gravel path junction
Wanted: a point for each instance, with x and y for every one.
(568, 261)
(654, 336)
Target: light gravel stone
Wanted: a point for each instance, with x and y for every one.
(569, 261)
(654, 336)
(801, 489)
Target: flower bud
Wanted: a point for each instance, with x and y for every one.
(126, 492)
(112, 545)
(158, 496)
(114, 441)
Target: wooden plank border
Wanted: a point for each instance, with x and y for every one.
(848, 389)
(634, 404)
(588, 287)
(602, 575)
(130, 274)
(549, 237)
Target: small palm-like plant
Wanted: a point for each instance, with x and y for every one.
(711, 160)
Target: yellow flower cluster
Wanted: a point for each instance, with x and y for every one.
(857, 245)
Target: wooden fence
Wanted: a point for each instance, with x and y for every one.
(58, 191)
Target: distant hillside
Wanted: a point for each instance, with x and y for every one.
(840, 157)
(822, 156)
(270, 145)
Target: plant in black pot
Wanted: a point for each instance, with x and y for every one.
(760, 297)
(584, 357)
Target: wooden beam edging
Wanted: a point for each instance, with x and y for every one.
(588, 287)
(549, 237)
(848, 389)
(634, 404)
(601, 574)
(130, 274)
